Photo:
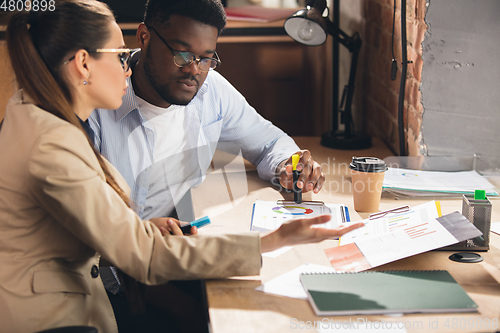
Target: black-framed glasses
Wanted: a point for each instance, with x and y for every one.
(123, 54)
(185, 58)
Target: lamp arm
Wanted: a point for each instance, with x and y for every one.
(352, 43)
(347, 112)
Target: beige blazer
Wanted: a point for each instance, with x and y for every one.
(58, 216)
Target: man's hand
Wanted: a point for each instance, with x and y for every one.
(311, 176)
(169, 225)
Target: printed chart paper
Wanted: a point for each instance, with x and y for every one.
(391, 222)
(407, 241)
(269, 215)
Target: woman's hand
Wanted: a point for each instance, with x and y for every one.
(301, 232)
(169, 225)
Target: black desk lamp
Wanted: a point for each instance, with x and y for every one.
(308, 26)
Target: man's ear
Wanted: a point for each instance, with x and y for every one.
(142, 35)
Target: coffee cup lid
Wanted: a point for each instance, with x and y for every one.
(368, 164)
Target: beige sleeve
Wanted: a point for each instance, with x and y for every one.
(65, 178)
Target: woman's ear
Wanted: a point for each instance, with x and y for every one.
(79, 68)
(83, 64)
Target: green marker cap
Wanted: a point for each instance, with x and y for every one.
(480, 195)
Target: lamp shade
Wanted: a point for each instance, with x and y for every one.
(306, 27)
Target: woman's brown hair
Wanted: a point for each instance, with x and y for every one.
(38, 44)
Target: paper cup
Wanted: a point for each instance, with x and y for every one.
(367, 180)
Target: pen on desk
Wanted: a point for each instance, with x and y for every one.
(347, 217)
(297, 192)
(310, 203)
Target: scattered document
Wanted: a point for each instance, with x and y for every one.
(270, 215)
(495, 227)
(436, 181)
(402, 243)
(278, 252)
(392, 222)
(289, 285)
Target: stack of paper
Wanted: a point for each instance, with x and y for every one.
(418, 183)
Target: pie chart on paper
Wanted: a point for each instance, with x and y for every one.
(292, 210)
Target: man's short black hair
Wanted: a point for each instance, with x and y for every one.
(210, 12)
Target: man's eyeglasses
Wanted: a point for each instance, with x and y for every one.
(123, 54)
(185, 58)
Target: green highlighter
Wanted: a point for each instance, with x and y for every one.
(479, 195)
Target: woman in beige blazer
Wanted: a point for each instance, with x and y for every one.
(62, 206)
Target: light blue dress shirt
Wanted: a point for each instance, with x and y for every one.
(217, 114)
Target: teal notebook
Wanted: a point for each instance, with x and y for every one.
(373, 292)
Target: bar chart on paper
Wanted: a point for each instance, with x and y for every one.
(393, 222)
(372, 248)
(398, 221)
(420, 230)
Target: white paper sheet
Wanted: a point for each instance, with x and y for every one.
(495, 227)
(278, 252)
(289, 285)
(406, 242)
(401, 243)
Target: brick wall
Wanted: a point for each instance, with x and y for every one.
(380, 98)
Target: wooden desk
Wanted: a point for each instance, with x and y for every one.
(236, 307)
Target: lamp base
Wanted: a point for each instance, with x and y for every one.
(338, 140)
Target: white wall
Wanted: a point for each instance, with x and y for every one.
(460, 90)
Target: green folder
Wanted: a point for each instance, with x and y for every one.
(332, 294)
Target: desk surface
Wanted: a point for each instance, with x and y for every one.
(236, 307)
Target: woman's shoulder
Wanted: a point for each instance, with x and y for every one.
(38, 129)
(22, 112)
